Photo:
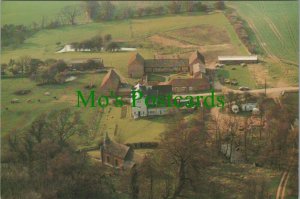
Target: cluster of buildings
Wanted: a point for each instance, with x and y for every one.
(138, 66)
(122, 156)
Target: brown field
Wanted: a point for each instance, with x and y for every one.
(201, 35)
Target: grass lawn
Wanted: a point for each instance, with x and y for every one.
(130, 130)
(234, 177)
(241, 74)
(155, 77)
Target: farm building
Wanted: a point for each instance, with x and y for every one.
(110, 82)
(141, 110)
(138, 66)
(188, 85)
(196, 64)
(117, 155)
(237, 59)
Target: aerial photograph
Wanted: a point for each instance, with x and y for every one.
(149, 99)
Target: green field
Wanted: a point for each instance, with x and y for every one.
(241, 74)
(275, 23)
(26, 12)
(43, 44)
(16, 116)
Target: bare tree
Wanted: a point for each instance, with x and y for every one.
(216, 122)
(23, 63)
(180, 148)
(70, 13)
(64, 123)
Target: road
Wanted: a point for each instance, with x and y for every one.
(280, 194)
(269, 91)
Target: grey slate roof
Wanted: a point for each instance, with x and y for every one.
(169, 63)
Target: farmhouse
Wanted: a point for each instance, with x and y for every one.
(117, 155)
(141, 110)
(138, 66)
(237, 59)
(188, 85)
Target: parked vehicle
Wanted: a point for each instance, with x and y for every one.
(244, 88)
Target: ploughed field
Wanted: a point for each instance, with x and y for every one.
(276, 23)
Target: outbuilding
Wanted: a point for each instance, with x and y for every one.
(238, 59)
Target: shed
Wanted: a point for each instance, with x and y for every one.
(237, 59)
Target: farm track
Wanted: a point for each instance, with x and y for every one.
(292, 36)
(281, 187)
(275, 30)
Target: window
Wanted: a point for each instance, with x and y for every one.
(107, 159)
(116, 163)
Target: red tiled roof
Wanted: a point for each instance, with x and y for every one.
(136, 56)
(111, 81)
(196, 55)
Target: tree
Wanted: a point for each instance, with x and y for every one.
(159, 10)
(34, 65)
(107, 37)
(54, 71)
(92, 9)
(219, 5)
(148, 10)
(70, 13)
(231, 125)
(64, 124)
(189, 6)
(127, 13)
(141, 12)
(179, 147)
(14, 35)
(23, 62)
(134, 185)
(149, 172)
(112, 46)
(107, 10)
(174, 7)
(199, 6)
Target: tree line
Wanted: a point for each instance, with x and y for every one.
(49, 71)
(97, 43)
(103, 11)
(14, 35)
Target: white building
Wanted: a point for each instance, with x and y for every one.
(140, 109)
(237, 59)
(248, 106)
